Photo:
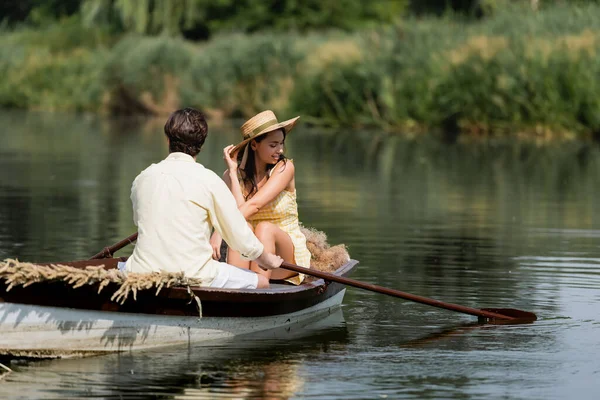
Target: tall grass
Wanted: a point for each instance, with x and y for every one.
(535, 71)
(518, 71)
(241, 75)
(143, 74)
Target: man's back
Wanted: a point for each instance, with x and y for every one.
(176, 203)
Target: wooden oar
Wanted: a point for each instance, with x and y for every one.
(485, 313)
(506, 314)
(109, 251)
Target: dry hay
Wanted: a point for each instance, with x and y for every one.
(325, 258)
(16, 273)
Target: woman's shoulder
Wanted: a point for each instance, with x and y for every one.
(283, 166)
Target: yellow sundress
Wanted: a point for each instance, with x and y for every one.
(283, 212)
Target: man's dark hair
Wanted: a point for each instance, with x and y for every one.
(187, 130)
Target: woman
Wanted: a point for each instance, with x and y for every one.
(262, 182)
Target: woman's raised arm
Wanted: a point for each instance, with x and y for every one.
(230, 176)
(282, 175)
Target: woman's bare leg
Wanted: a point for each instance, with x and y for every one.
(234, 258)
(277, 242)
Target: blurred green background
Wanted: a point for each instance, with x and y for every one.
(520, 67)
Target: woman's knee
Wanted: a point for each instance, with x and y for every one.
(264, 230)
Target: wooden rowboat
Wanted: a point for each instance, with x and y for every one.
(54, 320)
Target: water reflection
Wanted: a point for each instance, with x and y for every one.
(267, 365)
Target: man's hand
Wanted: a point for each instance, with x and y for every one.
(269, 261)
(215, 243)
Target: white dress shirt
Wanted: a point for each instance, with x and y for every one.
(176, 203)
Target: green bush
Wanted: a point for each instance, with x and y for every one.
(518, 69)
(242, 75)
(142, 74)
(35, 78)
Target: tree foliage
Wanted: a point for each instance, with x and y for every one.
(202, 17)
(37, 12)
(302, 15)
(144, 16)
(480, 8)
(198, 19)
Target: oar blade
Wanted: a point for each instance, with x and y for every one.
(519, 316)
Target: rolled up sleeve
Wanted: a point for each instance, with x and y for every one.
(227, 219)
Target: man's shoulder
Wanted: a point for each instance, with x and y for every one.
(205, 173)
(146, 171)
(194, 171)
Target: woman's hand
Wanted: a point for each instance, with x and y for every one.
(215, 243)
(230, 160)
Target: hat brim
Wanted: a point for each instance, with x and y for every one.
(286, 125)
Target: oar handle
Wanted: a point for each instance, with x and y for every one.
(394, 293)
(109, 251)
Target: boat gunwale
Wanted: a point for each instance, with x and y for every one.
(177, 300)
(201, 290)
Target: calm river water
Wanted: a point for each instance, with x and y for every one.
(486, 224)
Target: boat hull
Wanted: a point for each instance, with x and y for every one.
(54, 320)
(52, 332)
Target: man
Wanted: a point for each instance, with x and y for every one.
(177, 203)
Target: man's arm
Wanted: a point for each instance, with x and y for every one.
(230, 224)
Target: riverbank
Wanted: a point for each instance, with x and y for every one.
(517, 73)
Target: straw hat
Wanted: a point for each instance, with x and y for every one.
(261, 124)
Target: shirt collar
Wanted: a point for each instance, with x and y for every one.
(178, 156)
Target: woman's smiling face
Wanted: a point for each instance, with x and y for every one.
(270, 149)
